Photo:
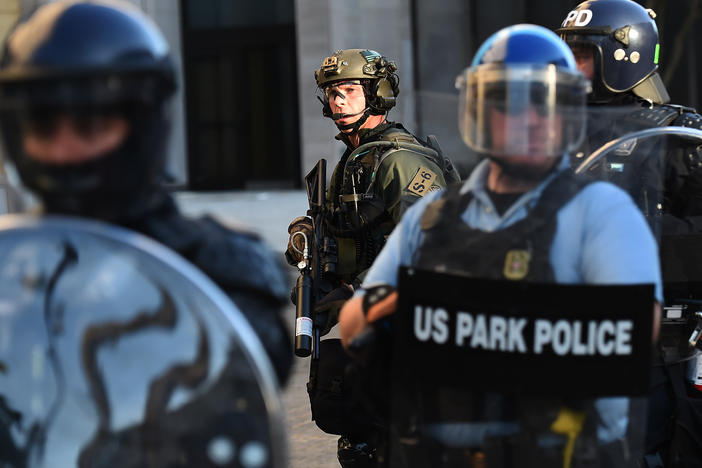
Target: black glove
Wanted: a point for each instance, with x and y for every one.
(296, 243)
(326, 310)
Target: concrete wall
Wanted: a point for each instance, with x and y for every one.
(9, 11)
(324, 26)
(444, 46)
(166, 13)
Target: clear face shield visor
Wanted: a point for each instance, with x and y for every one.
(521, 110)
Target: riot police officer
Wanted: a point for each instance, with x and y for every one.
(383, 171)
(615, 43)
(521, 215)
(85, 90)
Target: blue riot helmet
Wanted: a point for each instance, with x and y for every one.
(623, 38)
(93, 61)
(522, 95)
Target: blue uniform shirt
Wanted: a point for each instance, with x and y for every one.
(601, 236)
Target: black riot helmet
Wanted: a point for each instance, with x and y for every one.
(623, 37)
(88, 59)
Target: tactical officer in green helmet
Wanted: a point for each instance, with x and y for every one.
(384, 170)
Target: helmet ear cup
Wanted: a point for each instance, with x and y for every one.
(384, 91)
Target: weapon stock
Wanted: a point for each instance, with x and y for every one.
(313, 267)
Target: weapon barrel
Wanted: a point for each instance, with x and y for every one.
(308, 283)
(303, 315)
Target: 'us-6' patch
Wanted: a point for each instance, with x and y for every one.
(421, 183)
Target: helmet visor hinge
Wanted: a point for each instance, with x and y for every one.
(622, 35)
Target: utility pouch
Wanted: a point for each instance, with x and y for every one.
(330, 389)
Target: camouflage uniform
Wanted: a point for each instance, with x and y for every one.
(372, 185)
(386, 182)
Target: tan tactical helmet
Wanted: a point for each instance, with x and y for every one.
(376, 73)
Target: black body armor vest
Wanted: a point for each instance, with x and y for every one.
(520, 251)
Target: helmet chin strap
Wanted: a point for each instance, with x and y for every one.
(355, 126)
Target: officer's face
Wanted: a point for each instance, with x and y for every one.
(585, 60)
(529, 130)
(71, 139)
(346, 98)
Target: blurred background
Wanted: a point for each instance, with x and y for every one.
(247, 115)
(248, 125)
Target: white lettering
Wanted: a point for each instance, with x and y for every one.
(605, 346)
(578, 18)
(479, 334)
(561, 337)
(583, 19)
(578, 346)
(570, 17)
(623, 345)
(464, 327)
(516, 337)
(542, 335)
(440, 333)
(591, 337)
(498, 333)
(422, 323)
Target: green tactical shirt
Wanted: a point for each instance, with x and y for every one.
(386, 182)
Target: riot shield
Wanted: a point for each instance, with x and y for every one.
(508, 374)
(114, 351)
(661, 169)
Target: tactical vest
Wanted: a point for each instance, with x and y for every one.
(520, 251)
(663, 116)
(604, 128)
(359, 220)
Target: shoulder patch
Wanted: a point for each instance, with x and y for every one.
(421, 182)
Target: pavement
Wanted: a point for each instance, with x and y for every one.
(269, 213)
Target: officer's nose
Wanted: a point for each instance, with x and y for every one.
(535, 116)
(56, 145)
(338, 100)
